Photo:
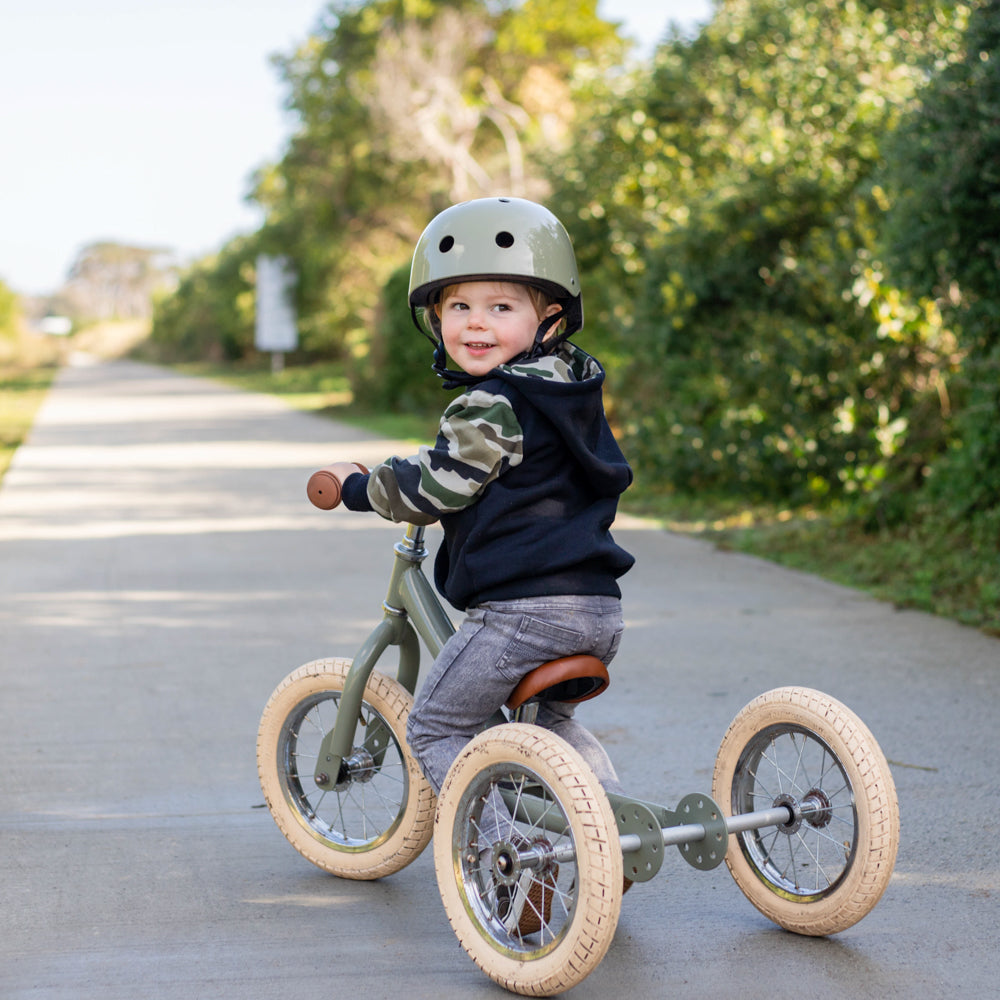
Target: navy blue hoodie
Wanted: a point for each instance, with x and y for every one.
(525, 477)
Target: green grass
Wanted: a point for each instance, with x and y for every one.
(22, 390)
(933, 563)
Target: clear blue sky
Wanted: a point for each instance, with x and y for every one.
(142, 123)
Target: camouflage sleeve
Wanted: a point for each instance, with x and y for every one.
(479, 439)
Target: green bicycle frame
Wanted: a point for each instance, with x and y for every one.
(411, 610)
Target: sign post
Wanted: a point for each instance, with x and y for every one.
(275, 328)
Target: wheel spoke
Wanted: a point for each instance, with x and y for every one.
(800, 763)
(788, 764)
(528, 816)
(826, 866)
(364, 810)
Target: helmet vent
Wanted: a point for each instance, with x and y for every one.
(504, 240)
(446, 244)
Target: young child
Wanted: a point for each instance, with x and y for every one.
(524, 476)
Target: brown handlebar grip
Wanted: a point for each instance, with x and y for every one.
(323, 488)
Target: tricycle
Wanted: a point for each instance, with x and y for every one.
(802, 810)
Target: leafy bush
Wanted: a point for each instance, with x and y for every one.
(942, 238)
(396, 375)
(210, 315)
(763, 351)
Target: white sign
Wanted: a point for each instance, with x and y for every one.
(57, 326)
(274, 327)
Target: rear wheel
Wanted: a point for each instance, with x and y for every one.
(535, 898)
(380, 815)
(827, 868)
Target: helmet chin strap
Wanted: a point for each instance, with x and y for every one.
(542, 346)
(452, 377)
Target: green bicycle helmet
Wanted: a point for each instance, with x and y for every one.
(497, 239)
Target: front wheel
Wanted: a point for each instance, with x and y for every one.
(528, 860)
(380, 815)
(825, 869)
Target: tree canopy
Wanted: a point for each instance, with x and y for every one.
(110, 280)
(943, 237)
(405, 107)
(735, 197)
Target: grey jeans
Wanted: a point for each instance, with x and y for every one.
(495, 646)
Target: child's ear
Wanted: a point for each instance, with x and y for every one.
(552, 310)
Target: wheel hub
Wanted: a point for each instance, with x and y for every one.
(817, 808)
(506, 863)
(509, 860)
(814, 808)
(359, 767)
(792, 805)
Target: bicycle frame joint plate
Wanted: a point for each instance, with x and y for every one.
(710, 851)
(638, 819)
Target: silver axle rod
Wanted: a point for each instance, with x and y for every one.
(702, 844)
(689, 833)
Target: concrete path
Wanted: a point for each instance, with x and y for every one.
(161, 571)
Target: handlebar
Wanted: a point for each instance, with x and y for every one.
(324, 486)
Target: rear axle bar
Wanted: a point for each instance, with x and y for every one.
(688, 833)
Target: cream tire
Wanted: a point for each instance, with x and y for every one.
(381, 816)
(572, 825)
(822, 874)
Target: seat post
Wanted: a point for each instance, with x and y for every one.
(526, 712)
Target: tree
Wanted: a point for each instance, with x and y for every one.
(943, 240)
(116, 281)
(405, 107)
(210, 314)
(8, 312)
(734, 189)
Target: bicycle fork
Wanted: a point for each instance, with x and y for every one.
(411, 608)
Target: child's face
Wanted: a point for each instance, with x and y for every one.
(486, 323)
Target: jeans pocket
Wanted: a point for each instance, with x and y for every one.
(616, 641)
(536, 641)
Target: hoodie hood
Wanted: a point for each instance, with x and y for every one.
(566, 388)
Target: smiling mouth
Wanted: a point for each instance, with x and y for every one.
(478, 347)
